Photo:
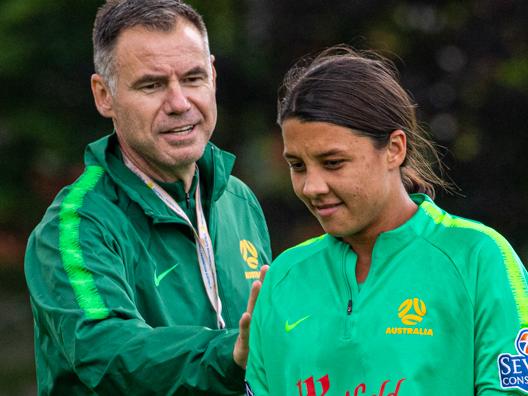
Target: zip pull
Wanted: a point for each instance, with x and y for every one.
(349, 307)
(188, 200)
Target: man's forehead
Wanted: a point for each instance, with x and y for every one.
(183, 38)
(184, 47)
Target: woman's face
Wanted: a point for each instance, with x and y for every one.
(344, 180)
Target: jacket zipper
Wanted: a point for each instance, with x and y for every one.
(348, 317)
(188, 200)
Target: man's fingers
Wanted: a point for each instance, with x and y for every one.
(243, 326)
(255, 290)
(263, 271)
(241, 350)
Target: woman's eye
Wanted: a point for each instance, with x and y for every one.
(296, 166)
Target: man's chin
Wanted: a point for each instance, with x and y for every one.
(185, 156)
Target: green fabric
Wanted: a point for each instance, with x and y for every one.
(516, 277)
(444, 297)
(186, 200)
(116, 292)
(81, 279)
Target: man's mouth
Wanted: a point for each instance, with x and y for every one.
(180, 130)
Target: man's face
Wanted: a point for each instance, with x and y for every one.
(164, 107)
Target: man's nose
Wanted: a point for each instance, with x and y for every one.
(176, 101)
(314, 184)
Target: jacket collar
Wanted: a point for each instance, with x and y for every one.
(215, 169)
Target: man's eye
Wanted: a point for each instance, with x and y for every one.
(151, 86)
(193, 79)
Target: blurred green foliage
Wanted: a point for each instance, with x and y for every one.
(465, 63)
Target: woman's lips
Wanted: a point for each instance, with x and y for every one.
(327, 209)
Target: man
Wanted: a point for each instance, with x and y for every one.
(141, 269)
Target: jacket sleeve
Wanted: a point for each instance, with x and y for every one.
(501, 312)
(262, 226)
(89, 328)
(256, 377)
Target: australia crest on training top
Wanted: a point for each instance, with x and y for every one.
(513, 369)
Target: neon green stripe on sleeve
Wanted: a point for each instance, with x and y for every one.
(80, 277)
(514, 267)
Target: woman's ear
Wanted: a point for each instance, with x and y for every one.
(102, 96)
(396, 148)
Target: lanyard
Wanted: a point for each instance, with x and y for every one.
(204, 246)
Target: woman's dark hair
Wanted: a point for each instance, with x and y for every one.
(361, 91)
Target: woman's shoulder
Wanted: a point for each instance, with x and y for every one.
(299, 254)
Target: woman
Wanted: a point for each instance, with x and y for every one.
(398, 297)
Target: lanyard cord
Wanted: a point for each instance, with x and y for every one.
(204, 245)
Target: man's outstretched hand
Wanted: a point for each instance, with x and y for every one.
(241, 350)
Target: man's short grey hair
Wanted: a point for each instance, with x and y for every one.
(117, 15)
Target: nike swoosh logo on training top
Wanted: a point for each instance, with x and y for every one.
(289, 327)
(158, 279)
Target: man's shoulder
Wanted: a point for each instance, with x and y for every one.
(235, 184)
(94, 184)
(237, 188)
(92, 194)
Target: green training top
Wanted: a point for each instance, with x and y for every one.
(443, 311)
(116, 291)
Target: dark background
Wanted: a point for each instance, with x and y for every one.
(465, 63)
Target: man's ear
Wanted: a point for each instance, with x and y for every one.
(102, 96)
(396, 148)
(213, 71)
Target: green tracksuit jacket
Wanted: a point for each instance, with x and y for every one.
(117, 296)
(445, 302)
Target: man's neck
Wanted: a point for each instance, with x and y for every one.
(185, 174)
(186, 177)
